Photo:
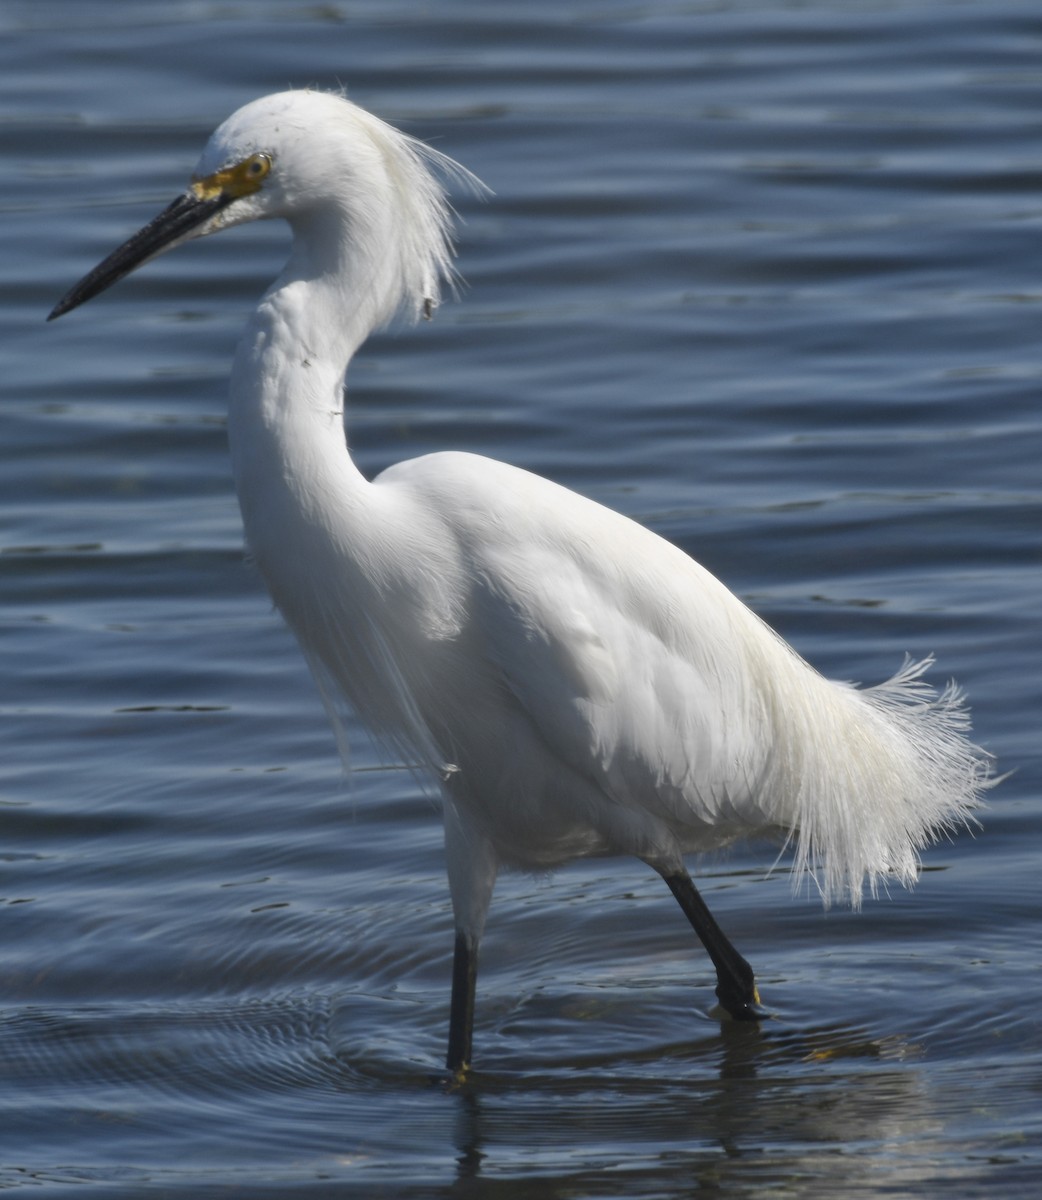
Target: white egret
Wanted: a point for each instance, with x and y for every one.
(577, 685)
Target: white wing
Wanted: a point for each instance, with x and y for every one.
(630, 659)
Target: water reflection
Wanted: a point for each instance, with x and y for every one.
(745, 1109)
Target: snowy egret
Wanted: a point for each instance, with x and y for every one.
(577, 685)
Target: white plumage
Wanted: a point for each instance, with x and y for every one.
(578, 685)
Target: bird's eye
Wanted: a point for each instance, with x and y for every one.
(257, 165)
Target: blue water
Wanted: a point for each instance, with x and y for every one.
(763, 276)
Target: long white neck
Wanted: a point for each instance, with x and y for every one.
(285, 422)
(317, 529)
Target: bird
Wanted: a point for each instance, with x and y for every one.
(574, 684)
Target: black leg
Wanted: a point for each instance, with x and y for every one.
(461, 1014)
(736, 985)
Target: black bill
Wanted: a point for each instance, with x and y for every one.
(186, 213)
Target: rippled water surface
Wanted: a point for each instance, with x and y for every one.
(761, 275)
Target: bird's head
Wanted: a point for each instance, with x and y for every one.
(298, 155)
